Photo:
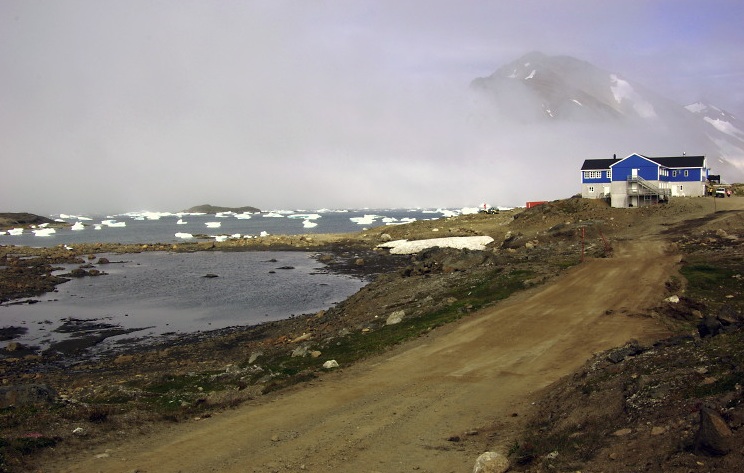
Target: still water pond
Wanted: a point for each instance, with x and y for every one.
(160, 293)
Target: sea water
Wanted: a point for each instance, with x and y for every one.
(162, 292)
(159, 227)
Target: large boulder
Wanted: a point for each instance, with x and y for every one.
(491, 462)
(26, 395)
(713, 436)
(395, 318)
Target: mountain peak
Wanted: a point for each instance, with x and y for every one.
(541, 89)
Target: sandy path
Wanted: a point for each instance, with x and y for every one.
(394, 413)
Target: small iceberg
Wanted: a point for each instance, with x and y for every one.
(307, 223)
(114, 224)
(184, 236)
(220, 238)
(402, 221)
(78, 226)
(273, 215)
(264, 234)
(243, 216)
(42, 232)
(305, 216)
(73, 217)
(15, 231)
(213, 224)
(366, 220)
(181, 222)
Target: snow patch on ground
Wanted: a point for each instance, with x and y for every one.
(405, 247)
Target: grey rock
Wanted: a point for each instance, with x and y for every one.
(26, 395)
(491, 462)
(713, 436)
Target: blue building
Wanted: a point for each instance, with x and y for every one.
(639, 180)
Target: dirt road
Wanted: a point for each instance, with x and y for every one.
(396, 412)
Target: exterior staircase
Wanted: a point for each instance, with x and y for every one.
(641, 187)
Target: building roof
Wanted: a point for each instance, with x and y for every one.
(667, 162)
(597, 164)
(679, 161)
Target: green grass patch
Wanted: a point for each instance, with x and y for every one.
(724, 384)
(287, 370)
(13, 449)
(496, 286)
(704, 277)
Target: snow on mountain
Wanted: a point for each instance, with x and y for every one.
(718, 119)
(582, 111)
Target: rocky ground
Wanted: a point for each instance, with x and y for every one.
(638, 408)
(674, 405)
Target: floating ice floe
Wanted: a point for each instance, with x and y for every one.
(243, 216)
(97, 226)
(184, 236)
(41, 232)
(181, 222)
(220, 238)
(148, 215)
(73, 217)
(15, 231)
(273, 215)
(401, 221)
(78, 226)
(113, 223)
(213, 224)
(307, 223)
(366, 220)
(264, 234)
(305, 216)
(405, 247)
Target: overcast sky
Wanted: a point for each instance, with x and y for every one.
(110, 106)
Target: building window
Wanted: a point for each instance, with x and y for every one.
(674, 173)
(680, 189)
(592, 174)
(687, 173)
(609, 174)
(591, 188)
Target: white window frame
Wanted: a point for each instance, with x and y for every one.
(609, 174)
(592, 174)
(687, 173)
(591, 189)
